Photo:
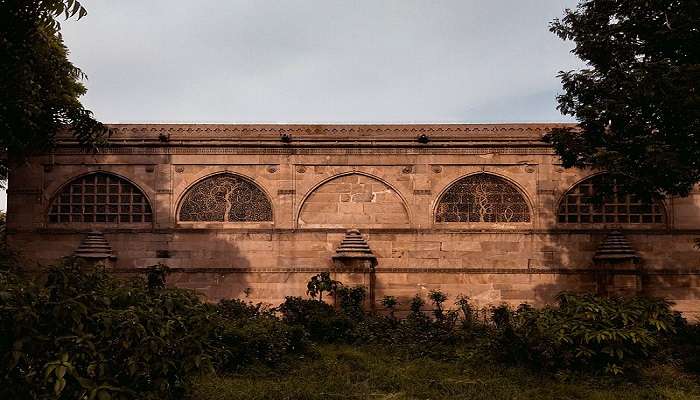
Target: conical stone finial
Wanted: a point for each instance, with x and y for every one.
(615, 248)
(354, 247)
(94, 247)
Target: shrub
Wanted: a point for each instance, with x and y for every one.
(390, 303)
(86, 335)
(236, 309)
(319, 319)
(416, 305)
(321, 283)
(685, 345)
(438, 298)
(585, 331)
(350, 300)
(247, 334)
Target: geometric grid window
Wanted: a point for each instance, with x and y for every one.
(482, 198)
(225, 198)
(100, 198)
(581, 205)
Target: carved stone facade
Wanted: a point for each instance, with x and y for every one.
(254, 210)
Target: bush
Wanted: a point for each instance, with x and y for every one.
(86, 335)
(685, 345)
(319, 319)
(350, 300)
(584, 332)
(247, 334)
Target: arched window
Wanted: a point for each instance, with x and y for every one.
(100, 198)
(482, 198)
(580, 205)
(225, 198)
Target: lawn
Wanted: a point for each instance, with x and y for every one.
(346, 372)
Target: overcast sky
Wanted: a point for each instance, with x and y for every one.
(320, 61)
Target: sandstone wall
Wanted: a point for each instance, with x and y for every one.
(389, 191)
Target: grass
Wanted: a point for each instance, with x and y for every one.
(346, 372)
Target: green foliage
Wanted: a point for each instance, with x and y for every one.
(685, 346)
(416, 304)
(39, 86)
(438, 298)
(469, 312)
(390, 303)
(155, 276)
(350, 300)
(321, 283)
(604, 335)
(86, 335)
(319, 319)
(371, 372)
(637, 101)
(247, 334)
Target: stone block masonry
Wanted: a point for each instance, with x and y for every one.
(480, 210)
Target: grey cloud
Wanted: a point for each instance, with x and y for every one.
(319, 61)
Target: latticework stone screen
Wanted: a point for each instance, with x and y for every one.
(100, 198)
(581, 205)
(482, 198)
(225, 198)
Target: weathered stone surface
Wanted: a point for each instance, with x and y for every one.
(376, 178)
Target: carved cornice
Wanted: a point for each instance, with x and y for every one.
(369, 150)
(169, 133)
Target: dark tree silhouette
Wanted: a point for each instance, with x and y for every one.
(637, 101)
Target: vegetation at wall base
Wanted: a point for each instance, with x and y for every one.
(371, 372)
(85, 334)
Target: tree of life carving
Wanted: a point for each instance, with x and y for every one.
(482, 198)
(225, 198)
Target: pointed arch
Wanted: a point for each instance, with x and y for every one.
(225, 197)
(100, 198)
(482, 198)
(578, 205)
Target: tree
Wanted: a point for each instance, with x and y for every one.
(39, 86)
(637, 102)
(321, 283)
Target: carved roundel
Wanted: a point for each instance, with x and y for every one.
(225, 198)
(482, 198)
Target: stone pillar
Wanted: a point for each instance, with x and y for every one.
(617, 267)
(95, 250)
(354, 257)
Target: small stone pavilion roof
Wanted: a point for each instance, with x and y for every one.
(615, 247)
(94, 246)
(354, 246)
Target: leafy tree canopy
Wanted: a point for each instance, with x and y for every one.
(39, 86)
(637, 101)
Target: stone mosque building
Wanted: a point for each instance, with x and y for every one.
(255, 210)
